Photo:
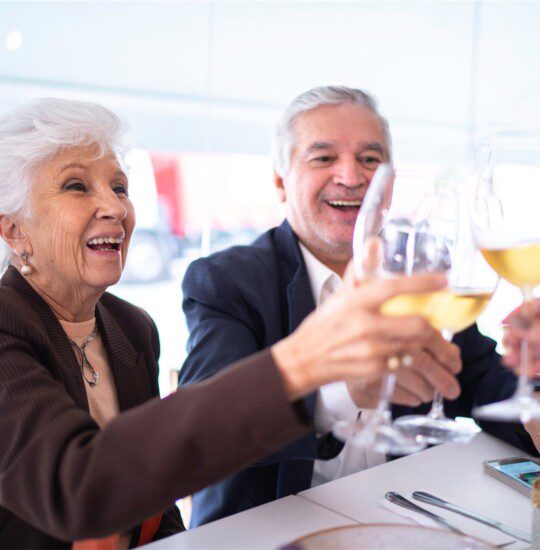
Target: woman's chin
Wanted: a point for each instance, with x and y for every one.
(104, 279)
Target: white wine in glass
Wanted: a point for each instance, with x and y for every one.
(519, 264)
(449, 309)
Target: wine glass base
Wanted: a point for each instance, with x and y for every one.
(435, 431)
(515, 409)
(382, 438)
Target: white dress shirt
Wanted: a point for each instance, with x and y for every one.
(333, 401)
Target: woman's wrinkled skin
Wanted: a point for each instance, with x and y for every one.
(75, 197)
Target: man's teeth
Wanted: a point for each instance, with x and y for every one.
(103, 240)
(344, 203)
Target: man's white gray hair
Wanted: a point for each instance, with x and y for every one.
(318, 97)
(38, 131)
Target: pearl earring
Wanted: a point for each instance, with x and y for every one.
(26, 269)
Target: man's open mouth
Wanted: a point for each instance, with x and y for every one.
(105, 243)
(345, 205)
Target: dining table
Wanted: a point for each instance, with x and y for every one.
(453, 471)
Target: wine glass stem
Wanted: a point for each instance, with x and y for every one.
(524, 388)
(387, 390)
(437, 407)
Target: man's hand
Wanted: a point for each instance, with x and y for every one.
(348, 338)
(433, 368)
(518, 330)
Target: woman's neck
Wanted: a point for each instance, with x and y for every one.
(67, 303)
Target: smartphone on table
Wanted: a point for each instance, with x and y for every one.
(518, 472)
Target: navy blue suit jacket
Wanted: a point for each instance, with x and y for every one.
(247, 298)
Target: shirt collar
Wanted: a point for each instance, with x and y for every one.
(320, 276)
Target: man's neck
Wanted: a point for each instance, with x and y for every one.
(337, 266)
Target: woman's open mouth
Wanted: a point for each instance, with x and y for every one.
(105, 244)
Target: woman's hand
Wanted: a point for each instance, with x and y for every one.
(523, 326)
(348, 339)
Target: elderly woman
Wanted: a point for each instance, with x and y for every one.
(87, 448)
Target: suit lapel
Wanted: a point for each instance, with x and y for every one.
(44, 317)
(128, 365)
(293, 273)
(131, 376)
(300, 302)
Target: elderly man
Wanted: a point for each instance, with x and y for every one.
(329, 143)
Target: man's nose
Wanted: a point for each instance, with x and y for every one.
(349, 173)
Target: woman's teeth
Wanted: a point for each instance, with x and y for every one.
(105, 243)
(104, 240)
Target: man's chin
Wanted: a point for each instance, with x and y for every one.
(339, 250)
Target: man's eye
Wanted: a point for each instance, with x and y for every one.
(370, 162)
(75, 186)
(323, 159)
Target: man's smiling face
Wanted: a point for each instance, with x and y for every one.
(337, 149)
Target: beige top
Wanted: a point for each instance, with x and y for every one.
(102, 398)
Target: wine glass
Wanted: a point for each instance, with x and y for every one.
(378, 431)
(440, 238)
(507, 232)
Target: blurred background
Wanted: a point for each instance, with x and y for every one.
(202, 83)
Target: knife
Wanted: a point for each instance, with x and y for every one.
(435, 501)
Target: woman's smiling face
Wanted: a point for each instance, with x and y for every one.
(79, 223)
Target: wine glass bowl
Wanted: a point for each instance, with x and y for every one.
(440, 239)
(507, 233)
(371, 258)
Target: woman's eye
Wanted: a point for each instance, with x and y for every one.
(121, 189)
(75, 186)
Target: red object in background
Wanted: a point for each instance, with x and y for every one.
(169, 188)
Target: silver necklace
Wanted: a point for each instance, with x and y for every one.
(84, 360)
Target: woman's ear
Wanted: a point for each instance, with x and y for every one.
(13, 233)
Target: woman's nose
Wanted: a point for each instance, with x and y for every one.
(110, 206)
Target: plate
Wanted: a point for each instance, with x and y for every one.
(386, 536)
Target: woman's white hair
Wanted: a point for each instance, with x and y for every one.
(317, 97)
(38, 131)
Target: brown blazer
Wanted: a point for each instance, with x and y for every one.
(63, 479)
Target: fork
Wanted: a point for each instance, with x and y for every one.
(400, 500)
